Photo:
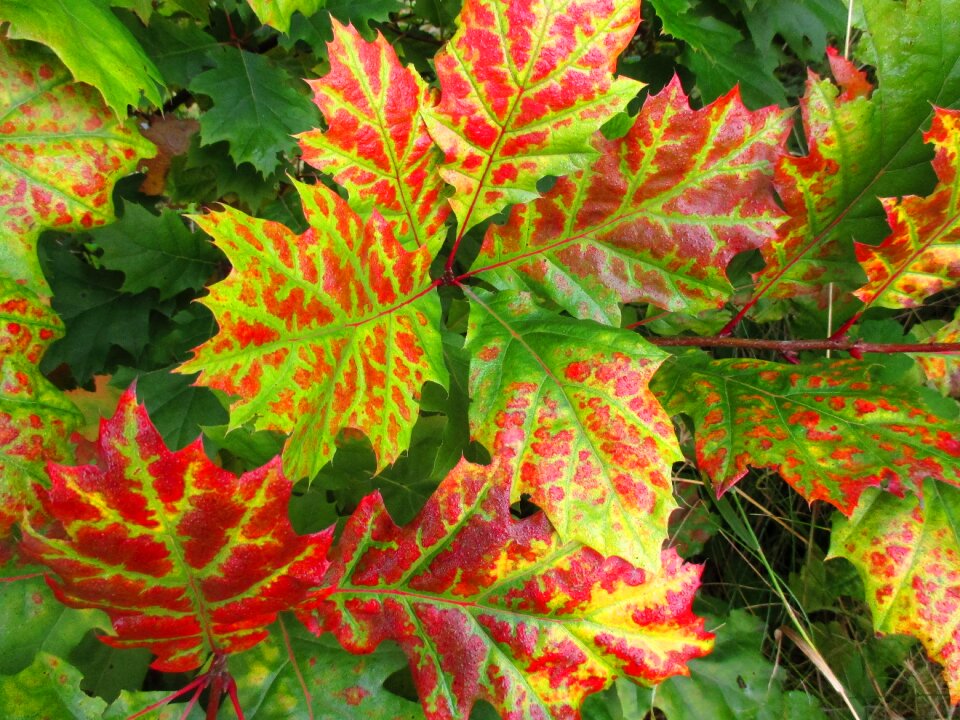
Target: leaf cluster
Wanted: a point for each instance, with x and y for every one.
(443, 359)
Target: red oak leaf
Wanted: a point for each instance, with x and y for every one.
(377, 146)
(829, 428)
(332, 329)
(655, 219)
(519, 80)
(186, 558)
(489, 607)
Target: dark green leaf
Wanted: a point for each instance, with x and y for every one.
(157, 252)
(257, 107)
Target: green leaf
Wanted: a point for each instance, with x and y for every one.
(598, 448)
(736, 681)
(106, 670)
(178, 47)
(62, 151)
(176, 406)
(92, 43)
(130, 703)
(97, 315)
(316, 30)
(830, 428)
(806, 25)
(156, 252)
(33, 621)
(277, 13)
(907, 551)
(49, 688)
(719, 54)
(257, 106)
(294, 674)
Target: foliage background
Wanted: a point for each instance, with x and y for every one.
(223, 117)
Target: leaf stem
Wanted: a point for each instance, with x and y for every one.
(841, 344)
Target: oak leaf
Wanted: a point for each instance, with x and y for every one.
(656, 218)
(829, 428)
(489, 607)
(330, 329)
(186, 558)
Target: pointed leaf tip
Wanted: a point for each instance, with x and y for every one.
(377, 145)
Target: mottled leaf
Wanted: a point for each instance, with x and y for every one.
(829, 428)
(256, 108)
(523, 87)
(277, 13)
(921, 256)
(818, 189)
(326, 330)
(294, 674)
(377, 146)
(941, 369)
(61, 150)
(49, 688)
(90, 41)
(187, 559)
(35, 418)
(655, 219)
(597, 448)
(491, 608)
(27, 325)
(863, 148)
(907, 551)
